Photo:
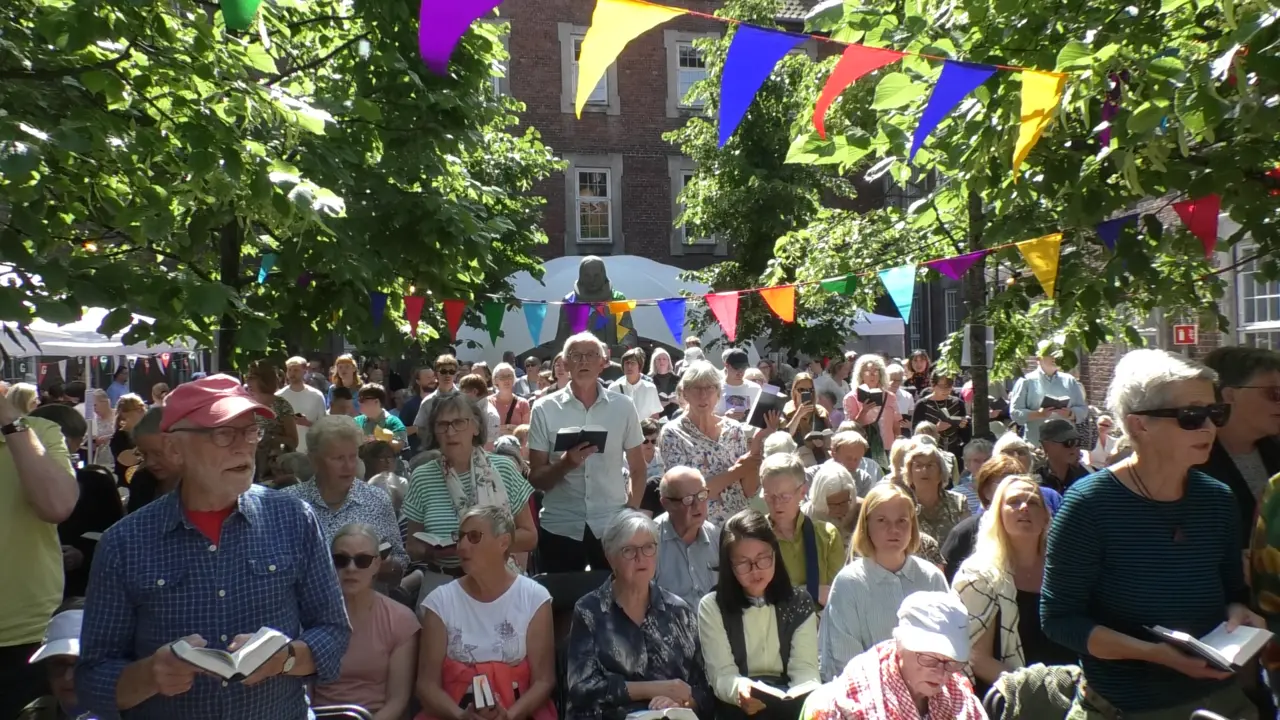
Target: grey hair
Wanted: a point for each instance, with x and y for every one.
(625, 526)
(977, 446)
(782, 465)
(874, 361)
(358, 530)
(504, 367)
(701, 372)
(296, 464)
(832, 478)
(1237, 366)
(499, 520)
(677, 471)
(693, 355)
(149, 424)
(464, 405)
(584, 337)
(779, 443)
(894, 369)
(330, 428)
(1011, 443)
(1144, 380)
(848, 437)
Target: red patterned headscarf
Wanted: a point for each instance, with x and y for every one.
(872, 688)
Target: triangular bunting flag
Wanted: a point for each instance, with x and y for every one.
(93, 361)
(753, 53)
(1201, 218)
(238, 14)
(857, 60)
(577, 313)
(535, 314)
(618, 307)
(453, 310)
(841, 285)
(268, 262)
(164, 361)
(781, 300)
(1109, 231)
(146, 366)
(493, 314)
(673, 312)
(413, 305)
(622, 331)
(442, 23)
(1041, 255)
(377, 306)
(900, 283)
(44, 372)
(956, 267)
(1041, 93)
(957, 80)
(613, 24)
(62, 370)
(724, 306)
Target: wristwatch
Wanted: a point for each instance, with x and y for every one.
(17, 426)
(290, 660)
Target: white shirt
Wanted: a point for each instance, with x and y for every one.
(309, 402)
(493, 421)
(594, 493)
(906, 402)
(644, 394)
(737, 397)
(824, 383)
(487, 632)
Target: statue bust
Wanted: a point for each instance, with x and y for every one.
(593, 288)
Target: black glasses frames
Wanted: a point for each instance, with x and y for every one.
(688, 500)
(362, 561)
(1192, 417)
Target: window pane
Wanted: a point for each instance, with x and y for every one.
(593, 219)
(599, 94)
(593, 184)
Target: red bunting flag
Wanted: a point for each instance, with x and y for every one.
(93, 361)
(164, 362)
(44, 371)
(725, 308)
(413, 305)
(146, 366)
(857, 60)
(1201, 218)
(782, 301)
(453, 310)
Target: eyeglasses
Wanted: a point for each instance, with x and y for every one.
(1193, 417)
(1272, 392)
(688, 500)
(929, 661)
(631, 552)
(447, 372)
(224, 437)
(457, 425)
(742, 567)
(583, 357)
(473, 536)
(780, 497)
(362, 561)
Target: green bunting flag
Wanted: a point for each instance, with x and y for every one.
(842, 285)
(493, 314)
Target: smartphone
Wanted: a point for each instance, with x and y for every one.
(806, 396)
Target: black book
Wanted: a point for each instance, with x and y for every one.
(1055, 403)
(571, 437)
(874, 397)
(769, 400)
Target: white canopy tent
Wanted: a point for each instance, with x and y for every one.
(82, 339)
(636, 277)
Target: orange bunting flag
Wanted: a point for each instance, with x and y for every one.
(724, 306)
(782, 301)
(857, 60)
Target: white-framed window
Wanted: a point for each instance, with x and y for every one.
(951, 306)
(594, 202)
(686, 177)
(691, 67)
(1269, 340)
(1259, 298)
(917, 321)
(600, 94)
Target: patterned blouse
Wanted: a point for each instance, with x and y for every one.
(607, 650)
(950, 510)
(682, 443)
(271, 447)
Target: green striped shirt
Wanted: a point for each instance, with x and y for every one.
(429, 502)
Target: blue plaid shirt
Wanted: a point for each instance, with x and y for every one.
(156, 578)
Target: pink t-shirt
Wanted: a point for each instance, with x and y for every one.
(374, 637)
(519, 414)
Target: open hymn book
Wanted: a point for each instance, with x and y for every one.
(1226, 651)
(763, 692)
(672, 713)
(240, 664)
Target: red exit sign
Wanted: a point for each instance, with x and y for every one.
(1184, 334)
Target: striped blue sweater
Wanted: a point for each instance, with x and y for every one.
(1116, 559)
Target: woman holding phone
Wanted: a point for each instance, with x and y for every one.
(802, 414)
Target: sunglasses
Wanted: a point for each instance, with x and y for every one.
(473, 536)
(447, 371)
(1193, 417)
(650, 441)
(1069, 444)
(362, 561)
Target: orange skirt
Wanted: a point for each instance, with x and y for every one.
(504, 679)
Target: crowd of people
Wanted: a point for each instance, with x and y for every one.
(597, 537)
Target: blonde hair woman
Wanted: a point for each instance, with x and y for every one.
(926, 475)
(129, 410)
(876, 413)
(898, 459)
(1000, 584)
(862, 609)
(662, 372)
(25, 397)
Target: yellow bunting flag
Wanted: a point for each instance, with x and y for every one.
(614, 24)
(1041, 93)
(618, 307)
(622, 331)
(1041, 255)
(782, 301)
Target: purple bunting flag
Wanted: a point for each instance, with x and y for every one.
(957, 80)
(753, 53)
(577, 314)
(1109, 231)
(442, 23)
(673, 311)
(956, 267)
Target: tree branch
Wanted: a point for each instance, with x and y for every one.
(56, 73)
(315, 63)
(322, 18)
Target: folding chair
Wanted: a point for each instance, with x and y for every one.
(566, 590)
(342, 712)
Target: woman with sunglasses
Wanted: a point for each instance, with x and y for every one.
(1150, 541)
(633, 646)
(756, 628)
(377, 669)
(492, 622)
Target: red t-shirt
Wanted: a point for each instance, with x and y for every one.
(209, 522)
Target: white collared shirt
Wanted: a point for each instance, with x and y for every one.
(644, 394)
(594, 493)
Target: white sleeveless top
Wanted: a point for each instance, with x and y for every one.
(487, 632)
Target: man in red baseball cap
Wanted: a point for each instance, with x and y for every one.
(210, 563)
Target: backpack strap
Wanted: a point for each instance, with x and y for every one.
(810, 556)
(737, 640)
(790, 617)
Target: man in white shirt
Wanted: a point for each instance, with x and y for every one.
(738, 393)
(307, 402)
(585, 488)
(634, 385)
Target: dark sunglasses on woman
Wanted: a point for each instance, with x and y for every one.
(1193, 416)
(362, 561)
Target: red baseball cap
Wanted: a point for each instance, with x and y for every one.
(210, 402)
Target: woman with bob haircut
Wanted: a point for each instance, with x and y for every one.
(755, 627)
(862, 609)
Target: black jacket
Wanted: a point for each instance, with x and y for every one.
(1221, 467)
